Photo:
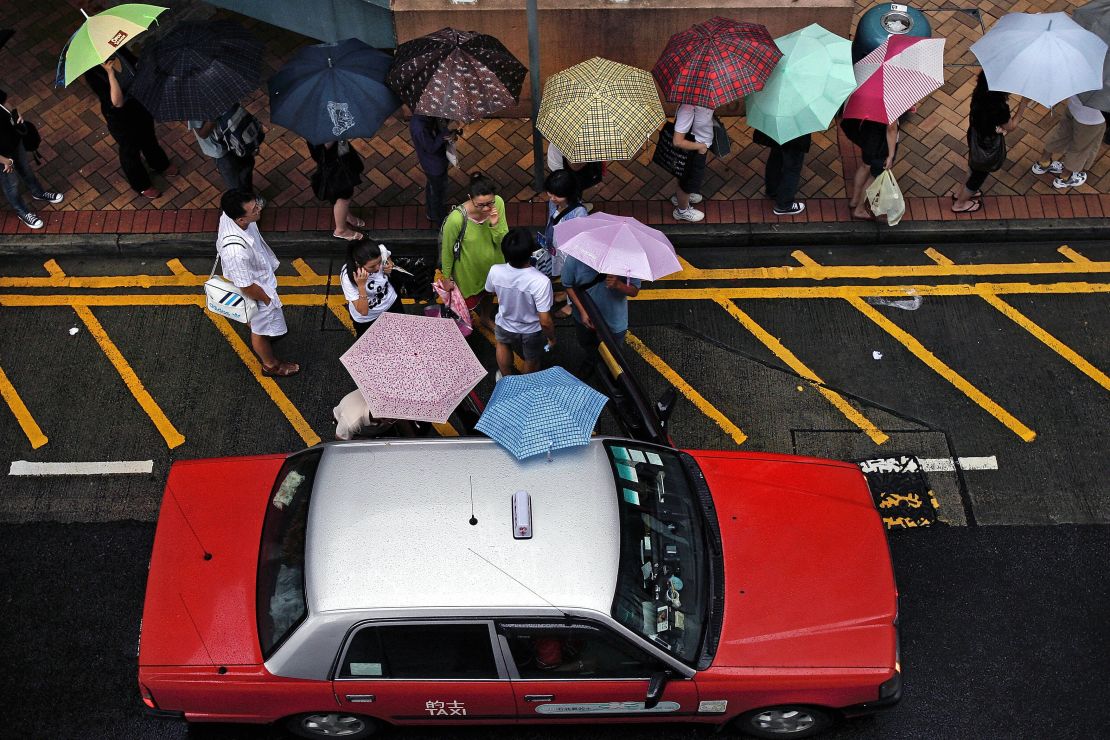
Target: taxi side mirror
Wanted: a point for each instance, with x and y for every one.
(656, 684)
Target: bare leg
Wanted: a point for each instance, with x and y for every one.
(341, 211)
(531, 366)
(860, 181)
(683, 199)
(964, 197)
(264, 350)
(504, 359)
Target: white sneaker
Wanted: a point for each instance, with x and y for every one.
(695, 198)
(1055, 167)
(689, 214)
(32, 220)
(795, 208)
(1076, 179)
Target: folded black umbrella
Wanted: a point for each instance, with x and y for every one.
(197, 71)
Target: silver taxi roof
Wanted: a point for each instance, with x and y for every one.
(388, 528)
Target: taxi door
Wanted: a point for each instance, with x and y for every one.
(425, 673)
(571, 671)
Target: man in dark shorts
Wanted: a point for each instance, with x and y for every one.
(524, 298)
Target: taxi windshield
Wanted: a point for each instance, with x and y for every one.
(280, 597)
(663, 580)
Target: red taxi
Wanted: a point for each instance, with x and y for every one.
(358, 585)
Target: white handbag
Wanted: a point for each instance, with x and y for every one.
(225, 299)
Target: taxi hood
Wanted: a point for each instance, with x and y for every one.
(808, 577)
(200, 593)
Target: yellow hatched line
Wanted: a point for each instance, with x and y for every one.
(130, 379)
(685, 389)
(272, 390)
(54, 270)
(838, 401)
(1072, 255)
(1073, 357)
(22, 414)
(962, 384)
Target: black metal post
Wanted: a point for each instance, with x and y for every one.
(534, 74)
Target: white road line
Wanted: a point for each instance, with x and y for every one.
(23, 467)
(948, 465)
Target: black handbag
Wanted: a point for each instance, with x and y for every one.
(985, 153)
(721, 145)
(334, 178)
(667, 155)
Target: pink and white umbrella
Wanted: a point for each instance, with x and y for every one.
(617, 245)
(413, 367)
(895, 76)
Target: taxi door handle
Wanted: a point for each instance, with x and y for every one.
(539, 697)
(360, 698)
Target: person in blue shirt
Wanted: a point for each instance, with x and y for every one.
(610, 293)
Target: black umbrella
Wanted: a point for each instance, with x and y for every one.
(460, 75)
(197, 71)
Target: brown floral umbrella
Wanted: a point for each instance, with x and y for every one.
(460, 75)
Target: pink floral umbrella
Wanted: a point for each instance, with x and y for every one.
(617, 245)
(413, 367)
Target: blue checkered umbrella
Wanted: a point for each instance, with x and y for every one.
(540, 412)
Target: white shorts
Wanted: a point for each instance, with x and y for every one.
(269, 321)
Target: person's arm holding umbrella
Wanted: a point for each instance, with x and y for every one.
(625, 287)
(116, 91)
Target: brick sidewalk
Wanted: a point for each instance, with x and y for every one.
(81, 159)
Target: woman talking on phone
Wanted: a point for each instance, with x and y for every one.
(366, 286)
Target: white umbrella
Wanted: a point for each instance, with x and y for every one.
(1095, 17)
(1045, 57)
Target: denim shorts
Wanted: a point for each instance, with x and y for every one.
(529, 346)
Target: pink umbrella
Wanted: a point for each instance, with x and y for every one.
(895, 76)
(413, 367)
(617, 245)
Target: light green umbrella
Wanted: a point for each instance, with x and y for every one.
(102, 35)
(806, 88)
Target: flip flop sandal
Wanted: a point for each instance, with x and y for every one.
(976, 194)
(358, 222)
(356, 236)
(281, 370)
(975, 206)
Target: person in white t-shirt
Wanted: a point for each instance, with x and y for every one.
(366, 285)
(524, 298)
(1076, 139)
(698, 123)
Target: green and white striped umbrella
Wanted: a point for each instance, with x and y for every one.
(103, 34)
(599, 111)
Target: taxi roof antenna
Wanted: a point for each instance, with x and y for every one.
(525, 585)
(473, 519)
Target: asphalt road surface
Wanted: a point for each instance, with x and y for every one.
(988, 363)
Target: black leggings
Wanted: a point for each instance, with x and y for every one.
(975, 180)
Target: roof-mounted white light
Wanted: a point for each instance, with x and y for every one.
(522, 516)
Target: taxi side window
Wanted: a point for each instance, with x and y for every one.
(553, 651)
(459, 651)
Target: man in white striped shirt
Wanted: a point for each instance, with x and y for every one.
(249, 263)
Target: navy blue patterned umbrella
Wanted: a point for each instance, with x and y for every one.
(197, 71)
(329, 92)
(459, 75)
(539, 412)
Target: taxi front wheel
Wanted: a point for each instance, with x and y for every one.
(331, 724)
(786, 721)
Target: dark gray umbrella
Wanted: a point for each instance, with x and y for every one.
(1095, 17)
(336, 91)
(197, 71)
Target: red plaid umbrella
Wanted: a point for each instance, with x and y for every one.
(714, 63)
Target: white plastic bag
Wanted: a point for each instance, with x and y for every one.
(885, 198)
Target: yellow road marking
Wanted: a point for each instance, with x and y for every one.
(660, 294)
(54, 270)
(850, 412)
(918, 349)
(272, 390)
(1072, 255)
(685, 388)
(22, 414)
(130, 379)
(1035, 329)
(1049, 341)
(344, 316)
(445, 430)
(177, 268)
(810, 269)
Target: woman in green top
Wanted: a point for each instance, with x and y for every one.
(485, 226)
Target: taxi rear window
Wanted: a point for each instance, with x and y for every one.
(281, 601)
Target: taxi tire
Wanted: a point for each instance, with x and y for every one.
(810, 721)
(357, 725)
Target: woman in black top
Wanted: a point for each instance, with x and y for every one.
(338, 170)
(989, 115)
(129, 123)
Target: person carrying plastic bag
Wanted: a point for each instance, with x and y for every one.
(885, 198)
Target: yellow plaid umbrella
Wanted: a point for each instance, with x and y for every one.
(599, 110)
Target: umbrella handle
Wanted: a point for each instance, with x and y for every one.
(84, 13)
